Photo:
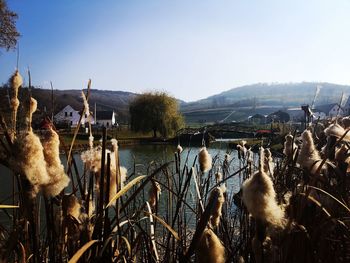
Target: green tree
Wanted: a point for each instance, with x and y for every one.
(157, 112)
(8, 31)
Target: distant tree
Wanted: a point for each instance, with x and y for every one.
(157, 112)
(8, 30)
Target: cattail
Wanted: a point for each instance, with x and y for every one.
(337, 131)
(86, 104)
(92, 158)
(179, 149)
(290, 148)
(268, 165)
(242, 150)
(259, 197)
(216, 215)
(154, 194)
(91, 141)
(218, 176)
(226, 163)
(71, 206)
(227, 157)
(58, 178)
(309, 157)
(113, 179)
(204, 159)
(15, 83)
(346, 122)
(123, 175)
(33, 105)
(210, 248)
(342, 155)
(250, 156)
(30, 159)
(116, 154)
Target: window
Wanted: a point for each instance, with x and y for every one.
(85, 115)
(71, 114)
(107, 123)
(66, 114)
(71, 123)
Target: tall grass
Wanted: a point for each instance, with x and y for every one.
(290, 209)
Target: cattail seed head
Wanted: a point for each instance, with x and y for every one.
(14, 104)
(114, 143)
(290, 148)
(30, 159)
(91, 141)
(204, 159)
(86, 104)
(33, 105)
(342, 155)
(250, 156)
(337, 131)
(58, 179)
(268, 166)
(217, 211)
(179, 149)
(218, 176)
(15, 83)
(154, 194)
(346, 122)
(210, 248)
(259, 197)
(309, 156)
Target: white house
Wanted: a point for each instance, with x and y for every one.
(318, 115)
(347, 107)
(106, 118)
(331, 110)
(71, 117)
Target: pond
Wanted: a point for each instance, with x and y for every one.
(142, 156)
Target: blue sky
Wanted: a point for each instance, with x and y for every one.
(192, 49)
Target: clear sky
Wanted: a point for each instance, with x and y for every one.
(192, 49)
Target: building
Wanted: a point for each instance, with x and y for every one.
(257, 119)
(346, 107)
(106, 118)
(296, 114)
(331, 110)
(278, 116)
(70, 117)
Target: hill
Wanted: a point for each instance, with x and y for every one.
(238, 103)
(263, 94)
(104, 99)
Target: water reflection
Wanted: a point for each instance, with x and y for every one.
(143, 156)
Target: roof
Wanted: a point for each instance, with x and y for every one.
(68, 108)
(325, 108)
(279, 116)
(104, 115)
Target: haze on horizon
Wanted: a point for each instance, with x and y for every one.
(192, 49)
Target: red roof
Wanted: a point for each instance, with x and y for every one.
(263, 131)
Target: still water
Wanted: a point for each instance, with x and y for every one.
(141, 156)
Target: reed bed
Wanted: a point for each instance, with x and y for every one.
(291, 208)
